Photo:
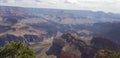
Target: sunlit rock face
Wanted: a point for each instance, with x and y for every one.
(71, 46)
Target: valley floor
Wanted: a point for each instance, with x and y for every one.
(40, 48)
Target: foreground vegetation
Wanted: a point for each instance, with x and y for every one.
(16, 50)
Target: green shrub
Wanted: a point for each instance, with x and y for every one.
(16, 50)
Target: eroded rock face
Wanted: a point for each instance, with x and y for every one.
(104, 43)
(7, 38)
(70, 46)
(4, 28)
(25, 39)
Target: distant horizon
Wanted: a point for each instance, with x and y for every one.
(93, 5)
(60, 9)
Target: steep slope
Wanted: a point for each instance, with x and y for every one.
(70, 46)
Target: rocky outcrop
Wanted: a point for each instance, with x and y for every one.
(70, 46)
(104, 43)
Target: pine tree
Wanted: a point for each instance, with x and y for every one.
(16, 50)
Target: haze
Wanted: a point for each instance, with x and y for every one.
(95, 5)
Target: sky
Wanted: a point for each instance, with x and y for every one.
(95, 5)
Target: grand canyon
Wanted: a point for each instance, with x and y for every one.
(59, 33)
